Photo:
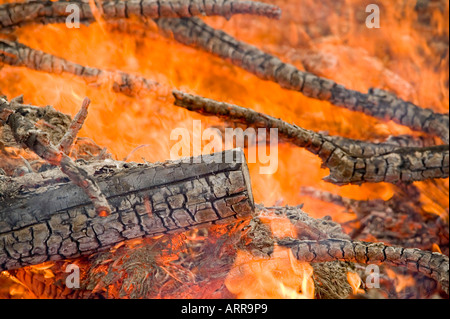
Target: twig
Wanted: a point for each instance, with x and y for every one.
(27, 135)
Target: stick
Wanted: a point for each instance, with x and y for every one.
(376, 103)
(18, 14)
(431, 264)
(18, 54)
(347, 166)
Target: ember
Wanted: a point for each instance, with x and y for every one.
(103, 205)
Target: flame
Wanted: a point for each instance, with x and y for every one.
(401, 281)
(355, 282)
(281, 276)
(311, 35)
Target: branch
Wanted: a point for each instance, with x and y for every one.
(430, 264)
(27, 135)
(18, 14)
(18, 54)
(347, 166)
(376, 102)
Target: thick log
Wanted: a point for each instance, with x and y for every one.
(377, 103)
(46, 217)
(352, 163)
(434, 265)
(17, 14)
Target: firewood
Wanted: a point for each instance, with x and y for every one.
(399, 221)
(46, 217)
(376, 103)
(27, 135)
(434, 265)
(347, 166)
(44, 12)
(18, 54)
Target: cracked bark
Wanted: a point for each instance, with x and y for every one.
(348, 165)
(146, 200)
(18, 54)
(17, 14)
(431, 264)
(377, 103)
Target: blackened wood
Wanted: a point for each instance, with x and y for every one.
(349, 162)
(44, 12)
(46, 217)
(434, 265)
(377, 103)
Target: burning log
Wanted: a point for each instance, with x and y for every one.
(146, 200)
(431, 264)
(352, 165)
(376, 103)
(18, 54)
(17, 14)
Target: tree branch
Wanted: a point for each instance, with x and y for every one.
(347, 166)
(18, 14)
(376, 102)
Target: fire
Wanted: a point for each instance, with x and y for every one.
(311, 35)
(401, 281)
(281, 276)
(355, 282)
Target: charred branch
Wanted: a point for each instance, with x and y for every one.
(18, 54)
(347, 165)
(431, 264)
(28, 136)
(17, 14)
(399, 220)
(376, 102)
(146, 200)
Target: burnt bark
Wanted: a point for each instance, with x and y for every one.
(377, 103)
(431, 264)
(46, 217)
(349, 162)
(17, 14)
(18, 54)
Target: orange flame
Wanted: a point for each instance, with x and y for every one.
(355, 282)
(281, 276)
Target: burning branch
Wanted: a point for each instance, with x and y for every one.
(146, 200)
(17, 14)
(347, 165)
(27, 135)
(431, 264)
(376, 102)
(18, 54)
(399, 221)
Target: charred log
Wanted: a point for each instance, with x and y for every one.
(17, 14)
(147, 200)
(382, 163)
(376, 102)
